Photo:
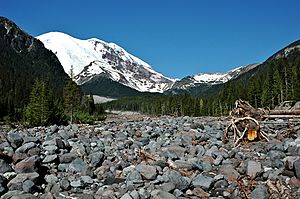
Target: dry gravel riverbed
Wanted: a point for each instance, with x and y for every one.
(134, 156)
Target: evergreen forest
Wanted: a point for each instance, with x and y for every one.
(274, 81)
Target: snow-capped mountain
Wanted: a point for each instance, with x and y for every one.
(93, 57)
(211, 78)
(94, 61)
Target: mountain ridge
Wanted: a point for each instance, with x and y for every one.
(23, 60)
(92, 57)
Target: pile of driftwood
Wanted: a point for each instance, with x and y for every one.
(245, 120)
(244, 123)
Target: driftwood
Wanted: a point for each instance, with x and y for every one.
(244, 123)
(244, 109)
(284, 112)
(245, 127)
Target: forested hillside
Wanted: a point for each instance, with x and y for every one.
(23, 59)
(274, 81)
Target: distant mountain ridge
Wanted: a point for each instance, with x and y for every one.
(209, 78)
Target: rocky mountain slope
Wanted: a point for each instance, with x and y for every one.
(93, 57)
(22, 60)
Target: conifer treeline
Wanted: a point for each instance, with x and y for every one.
(275, 81)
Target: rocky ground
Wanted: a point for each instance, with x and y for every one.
(144, 157)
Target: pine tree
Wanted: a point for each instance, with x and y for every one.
(38, 110)
(266, 95)
(92, 106)
(72, 98)
(278, 87)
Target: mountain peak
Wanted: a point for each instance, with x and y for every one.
(94, 57)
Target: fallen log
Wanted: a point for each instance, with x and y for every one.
(284, 112)
(282, 116)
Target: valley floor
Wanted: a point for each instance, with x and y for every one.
(136, 156)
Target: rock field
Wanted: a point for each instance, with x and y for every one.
(145, 157)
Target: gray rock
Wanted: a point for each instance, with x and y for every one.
(297, 168)
(53, 128)
(66, 134)
(64, 184)
(63, 167)
(28, 186)
(10, 175)
(14, 139)
(206, 166)
(177, 193)
(168, 187)
(113, 180)
(46, 196)
(135, 195)
(260, 192)
(186, 139)
(221, 184)
(25, 147)
(230, 174)
(218, 160)
(197, 126)
(27, 139)
(202, 181)
(144, 193)
(3, 187)
(50, 142)
(28, 165)
(9, 194)
(78, 165)
(211, 151)
(174, 152)
(276, 155)
(17, 157)
(51, 179)
(78, 148)
(158, 194)
(96, 158)
(180, 182)
(24, 196)
(126, 196)
(200, 150)
(289, 162)
(50, 158)
(120, 136)
(22, 177)
(76, 184)
(67, 158)
(253, 168)
(183, 164)
(4, 166)
(86, 180)
(147, 171)
(134, 176)
(33, 151)
(74, 127)
(51, 149)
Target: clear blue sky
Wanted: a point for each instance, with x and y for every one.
(176, 37)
